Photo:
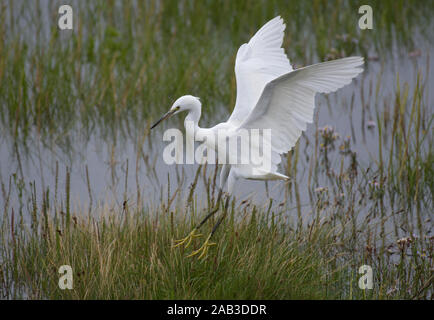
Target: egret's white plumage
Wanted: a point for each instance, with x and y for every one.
(258, 62)
(271, 95)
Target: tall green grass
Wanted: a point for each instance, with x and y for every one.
(119, 258)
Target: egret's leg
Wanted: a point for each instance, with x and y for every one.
(203, 250)
(193, 234)
(212, 212)
(225, 211)
(187, 240)
(226, 174)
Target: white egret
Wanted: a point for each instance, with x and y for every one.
(270, 95)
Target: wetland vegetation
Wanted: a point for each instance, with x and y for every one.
(82, 184)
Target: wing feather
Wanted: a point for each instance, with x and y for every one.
(287, 103)
(258, 62)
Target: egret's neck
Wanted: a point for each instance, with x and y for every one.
(193, 116)
(191, 124)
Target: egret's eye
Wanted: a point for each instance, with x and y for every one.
(177, 108)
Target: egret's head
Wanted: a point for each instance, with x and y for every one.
(184, 103)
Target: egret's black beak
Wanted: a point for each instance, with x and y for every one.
(167, 115)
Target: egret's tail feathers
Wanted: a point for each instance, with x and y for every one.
(278, 176)
(264, 175)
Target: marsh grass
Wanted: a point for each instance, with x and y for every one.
(376, 212)
(114, 259)
(126, 253)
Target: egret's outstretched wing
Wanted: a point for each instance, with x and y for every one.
(257, 63)
(287, 103)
